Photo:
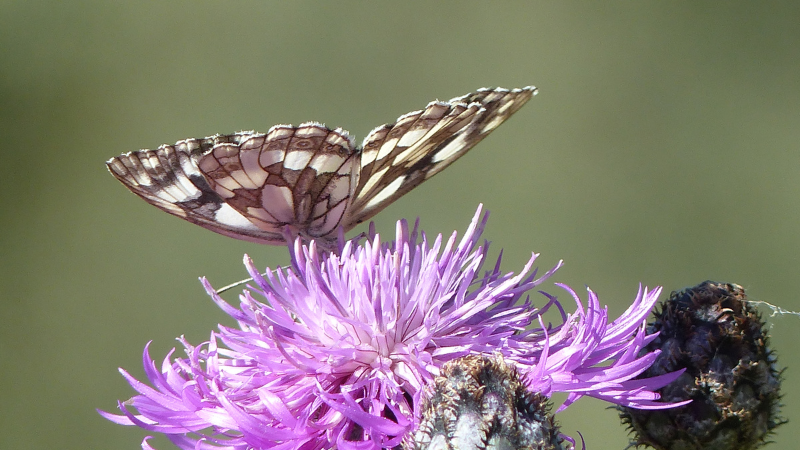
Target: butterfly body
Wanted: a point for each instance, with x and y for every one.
(309, 180)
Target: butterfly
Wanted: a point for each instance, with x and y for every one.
(309, 180)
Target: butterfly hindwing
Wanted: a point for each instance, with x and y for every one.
(299, 177)
(309, 179)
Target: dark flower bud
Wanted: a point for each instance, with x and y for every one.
(481, 403)
(731, 378)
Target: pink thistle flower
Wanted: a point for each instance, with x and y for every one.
(336, 351)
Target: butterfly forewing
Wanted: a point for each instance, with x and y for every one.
(309, 180)
(170, 179)
(398, 157)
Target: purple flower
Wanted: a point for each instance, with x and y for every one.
(589, 356)
(340, 347)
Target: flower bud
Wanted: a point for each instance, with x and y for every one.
(718, 336)
(481, 403)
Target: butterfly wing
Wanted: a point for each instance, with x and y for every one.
(170, 179)
(309, 178)
(249, 185)
(398, 157)
(300, 177)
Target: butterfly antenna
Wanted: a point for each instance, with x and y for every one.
(247, 280)
(233, 285)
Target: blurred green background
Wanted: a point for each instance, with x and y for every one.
(662, 149)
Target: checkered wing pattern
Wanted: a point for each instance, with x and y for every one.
(397, 157)
(309, 180)
(250, 186)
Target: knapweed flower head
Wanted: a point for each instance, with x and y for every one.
(336, 351)
(731, 376)
(480, 402)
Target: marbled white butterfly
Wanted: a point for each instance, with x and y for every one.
(309, 178)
